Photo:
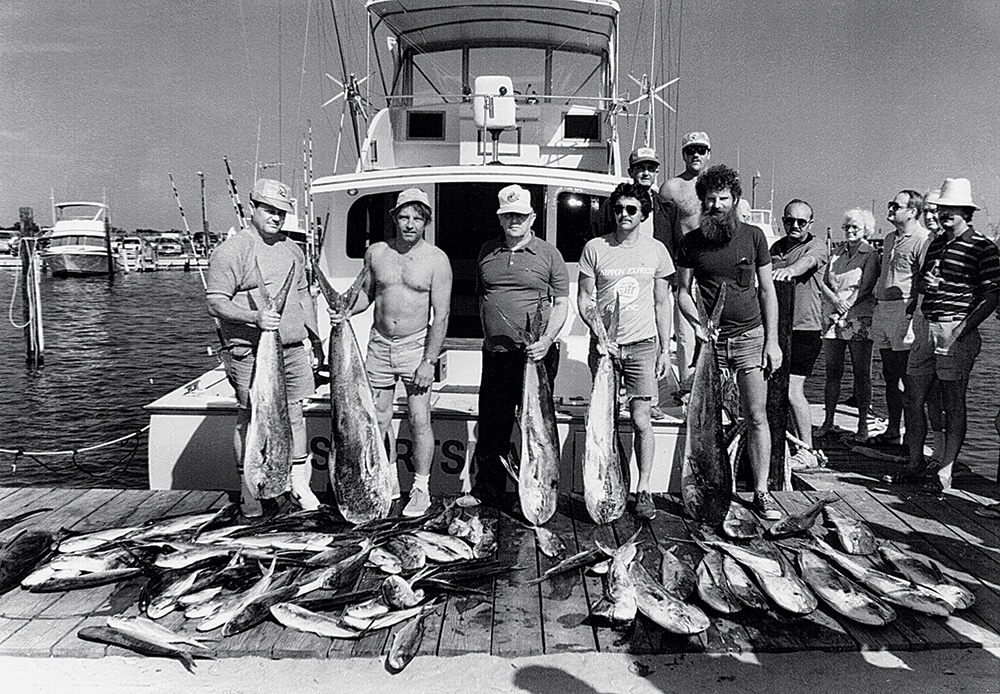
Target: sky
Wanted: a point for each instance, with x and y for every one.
(846, 101)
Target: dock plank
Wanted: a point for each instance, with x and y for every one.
(584, 531)
(517, 623)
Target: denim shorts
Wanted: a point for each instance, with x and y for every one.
(299, 381)
(637, 365)
(394, 358)
(744, 351)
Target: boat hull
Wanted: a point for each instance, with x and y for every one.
(68, 264)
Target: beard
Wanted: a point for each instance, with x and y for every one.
(718, 229)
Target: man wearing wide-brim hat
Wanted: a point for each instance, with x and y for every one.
(243, 271)
(959, 281)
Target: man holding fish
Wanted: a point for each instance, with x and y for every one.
(522, 280)
(408, 282)
(632, 270)
(725, 251)
(244, 273)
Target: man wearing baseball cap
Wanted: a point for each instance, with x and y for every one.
(519, 274)
(409, 282)
(960, 285)
(262, 253)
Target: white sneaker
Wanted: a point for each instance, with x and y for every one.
(301, 490)
(249, 506)
(419, 502)
(394, 489)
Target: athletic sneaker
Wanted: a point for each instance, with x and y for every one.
(419, 502)
(765, 506)
(644, 507)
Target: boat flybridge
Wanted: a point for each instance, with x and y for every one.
(483, 94)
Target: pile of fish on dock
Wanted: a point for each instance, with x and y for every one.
(301, 569)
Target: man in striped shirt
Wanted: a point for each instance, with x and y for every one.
(960, 283)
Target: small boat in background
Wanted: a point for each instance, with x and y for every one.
(79, 242)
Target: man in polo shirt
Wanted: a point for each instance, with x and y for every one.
(235, 271)
(900, 263)
(518, 273)
(960, 284)
(800, 257)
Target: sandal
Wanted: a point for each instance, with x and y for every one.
(989, 511)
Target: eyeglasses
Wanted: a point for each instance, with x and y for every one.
(796, 221)
(631, 210)
(893, 206)
(848, 227)
(696, 149)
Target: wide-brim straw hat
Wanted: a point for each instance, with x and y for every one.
(956, 192)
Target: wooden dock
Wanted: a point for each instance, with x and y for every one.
(522, 620)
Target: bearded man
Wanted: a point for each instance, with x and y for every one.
(725, 250)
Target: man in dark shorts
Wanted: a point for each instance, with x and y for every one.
(725, 250)
(635, 270)
(234, 272)
(518, 272)
(960, 286)
(799, 257)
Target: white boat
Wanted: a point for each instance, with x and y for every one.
(484, 95)
(79, 243)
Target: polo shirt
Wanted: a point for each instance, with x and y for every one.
(514, 284)
(900, 263)
(968, 267)
(808, 313)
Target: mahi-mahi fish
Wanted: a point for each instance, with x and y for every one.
(604, 490)
(267, 456)
(707, 478)
(360, 471)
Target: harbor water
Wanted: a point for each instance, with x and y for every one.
(113, 347)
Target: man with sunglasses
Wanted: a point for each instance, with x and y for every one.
(725, 250)
(634, 270)
(799, 257)
(960, 285)
(901, 254)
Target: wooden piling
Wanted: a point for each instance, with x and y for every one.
(777, 389)
(31, 300)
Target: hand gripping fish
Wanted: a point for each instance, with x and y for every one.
(267, 455)
(707, 478)
(604, 490)
(538, 472)
(359, 470)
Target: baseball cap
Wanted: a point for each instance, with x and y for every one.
(273, 193)
(643, 154)
(411, 195)
(695, 138)
(515, 199)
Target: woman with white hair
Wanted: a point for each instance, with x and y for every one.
(849, 300)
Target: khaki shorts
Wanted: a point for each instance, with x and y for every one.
(394, 358)
(299, 381)
(936, 352)
(890, 325)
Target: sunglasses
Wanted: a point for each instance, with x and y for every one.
(796, 221)
(631, 210)
(696, 149)
(893, 206)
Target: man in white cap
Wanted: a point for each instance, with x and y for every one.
(409, 283)
(960, 286)
(235, 298)
(519, 273)
(696, 150)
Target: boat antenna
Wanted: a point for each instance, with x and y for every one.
(351, 80)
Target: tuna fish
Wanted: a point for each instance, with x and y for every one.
(267, 455)
(706, 477)
(604, 489)
(855, 537)
(930, 576)
(359, 467)
(19, 557)
(842, 594)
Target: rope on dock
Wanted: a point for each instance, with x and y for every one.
(117, 468)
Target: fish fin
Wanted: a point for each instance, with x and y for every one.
(614, 318)
(267, 299)
(522, 334)
(332, 296)
(535, 326)
(282, 295)
(712, 326)
(505, 460)
(351, 295)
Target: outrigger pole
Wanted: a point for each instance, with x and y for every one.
(234, 195)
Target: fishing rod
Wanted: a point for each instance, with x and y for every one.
(234, 195)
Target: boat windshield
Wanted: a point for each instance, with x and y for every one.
(440, 75)
(77, 241)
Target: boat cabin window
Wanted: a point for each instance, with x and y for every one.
(524, 66)
(577, 74)
(77, 241)
(436, 74)
(368, 222)
(577, 215)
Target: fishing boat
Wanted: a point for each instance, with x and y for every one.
(483, 94)
(79, 243)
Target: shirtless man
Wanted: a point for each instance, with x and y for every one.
(696, 149)
(408, 279)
